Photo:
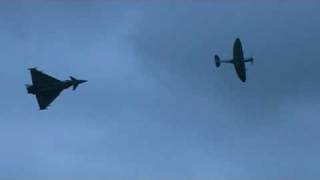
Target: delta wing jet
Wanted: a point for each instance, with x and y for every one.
(47, 88)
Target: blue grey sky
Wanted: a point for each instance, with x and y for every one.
(155, 106)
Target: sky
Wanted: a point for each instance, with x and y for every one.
(155, 106)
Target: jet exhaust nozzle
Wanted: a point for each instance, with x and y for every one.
(28, 87)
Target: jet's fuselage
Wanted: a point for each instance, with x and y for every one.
(32, 89)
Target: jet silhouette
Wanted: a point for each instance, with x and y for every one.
(238, 60)
(47, 88)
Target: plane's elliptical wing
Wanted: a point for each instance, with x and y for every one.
(237, 50)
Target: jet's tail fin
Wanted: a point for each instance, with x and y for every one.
(217, 60)
(72, 78)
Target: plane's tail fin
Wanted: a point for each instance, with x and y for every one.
(72, 78)
(217, 60)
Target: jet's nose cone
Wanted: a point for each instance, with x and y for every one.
(76, 83)
(82, 81)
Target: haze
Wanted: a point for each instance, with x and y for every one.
(155, 106)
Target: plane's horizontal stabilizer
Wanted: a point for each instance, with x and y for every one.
(217, 60)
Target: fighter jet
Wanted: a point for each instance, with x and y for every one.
(47, 88)
(238, 60)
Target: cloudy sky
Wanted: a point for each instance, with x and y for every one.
(155, 106)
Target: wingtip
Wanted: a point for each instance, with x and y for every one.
(32, 68)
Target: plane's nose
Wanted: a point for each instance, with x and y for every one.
(82, 81)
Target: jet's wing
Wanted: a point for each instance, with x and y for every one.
(237, 50)
(46, 98)
(39, 78)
